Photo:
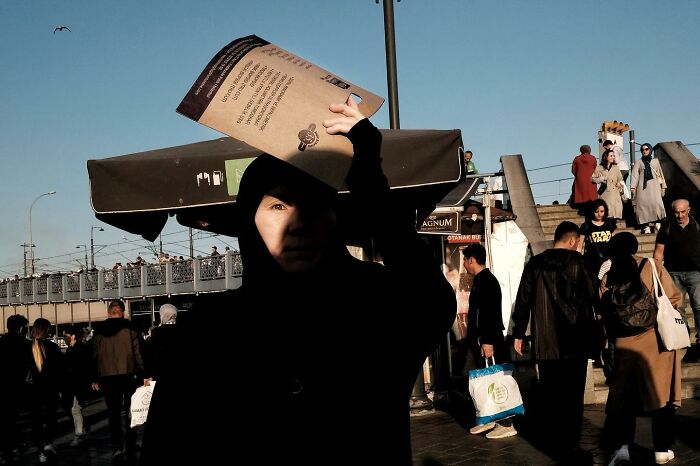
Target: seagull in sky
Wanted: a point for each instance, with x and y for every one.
(60, 28)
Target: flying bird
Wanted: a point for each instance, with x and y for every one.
(60, 28)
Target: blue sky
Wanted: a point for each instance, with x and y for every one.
(535, 78)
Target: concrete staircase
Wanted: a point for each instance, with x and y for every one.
(596, 389)
(553, 215)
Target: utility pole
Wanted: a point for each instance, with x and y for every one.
(392, 82)
(632, 148)
(419, 398)
(24, 247)
(92, 246)
(191, 245)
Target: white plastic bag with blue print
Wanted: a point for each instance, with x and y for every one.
(495, 393)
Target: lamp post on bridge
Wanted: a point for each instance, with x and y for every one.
(31, 243)
(24, 256)
(92, 246)
(86, 257)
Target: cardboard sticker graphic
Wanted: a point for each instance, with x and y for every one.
(234, 173)
(276, 101)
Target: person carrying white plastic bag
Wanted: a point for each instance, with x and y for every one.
(484, 339)
(495, 393)
(140, 402)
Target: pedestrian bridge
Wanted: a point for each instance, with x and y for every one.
(181, 277)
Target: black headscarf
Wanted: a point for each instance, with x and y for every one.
(648, 175)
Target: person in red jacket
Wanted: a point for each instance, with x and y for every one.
(585, 191)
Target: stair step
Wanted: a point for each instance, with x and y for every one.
(690, 388)
(689, 370)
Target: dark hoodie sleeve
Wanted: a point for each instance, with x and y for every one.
(422, 294)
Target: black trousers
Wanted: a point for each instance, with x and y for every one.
(560, 388)
(43, 414)
(117, 390)
(621, 427)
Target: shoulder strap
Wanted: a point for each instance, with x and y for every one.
(658, 290)
(642, 264)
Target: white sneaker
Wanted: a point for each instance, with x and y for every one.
(502, 432)
(663, 457)
(49, 447)
(646, 231)
(620, 455)
(482, 428)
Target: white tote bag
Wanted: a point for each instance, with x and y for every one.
(669, 322)
(140, 402)
(495, 393)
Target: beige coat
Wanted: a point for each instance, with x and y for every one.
(613, 180)
(645, 377)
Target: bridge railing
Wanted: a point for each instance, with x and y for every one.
(181, 277)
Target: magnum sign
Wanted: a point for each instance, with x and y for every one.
(441, 223)
(276, 101)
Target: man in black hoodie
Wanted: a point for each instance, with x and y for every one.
(556, 298)
(117, 356)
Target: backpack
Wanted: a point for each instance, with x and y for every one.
(630, 309)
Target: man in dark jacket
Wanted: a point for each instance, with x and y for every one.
(14, 365)
(117, 354)
(555, 297)
(485, 327)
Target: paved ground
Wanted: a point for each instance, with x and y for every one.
(438, 439)
(95, 451)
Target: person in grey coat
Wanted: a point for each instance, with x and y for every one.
(648, 186)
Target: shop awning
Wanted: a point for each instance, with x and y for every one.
(197, 182)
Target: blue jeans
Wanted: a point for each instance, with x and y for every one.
(690, 282)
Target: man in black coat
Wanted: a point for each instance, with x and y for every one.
(14, 366)
(556, 298)
(485, 327)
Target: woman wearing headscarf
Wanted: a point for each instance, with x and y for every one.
(159, 349)
(585, 190)
(322, 349)
(648, 185)
(645, 378)
(610, 178)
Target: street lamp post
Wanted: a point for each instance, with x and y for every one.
(31, 244)
(24, 247)
(92, 246)
(392, 81)
(419, 398)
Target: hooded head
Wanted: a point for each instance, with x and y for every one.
(287, 219)
(650, 153)
(168, 314)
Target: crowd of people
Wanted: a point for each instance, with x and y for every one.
(40, 378)
(607, 181)
(307, 308)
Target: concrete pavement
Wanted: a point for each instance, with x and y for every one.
(437, 438)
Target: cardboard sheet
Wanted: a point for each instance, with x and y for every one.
(276, 101)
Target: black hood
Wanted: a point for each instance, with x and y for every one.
(263, 175)
(110, 327)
